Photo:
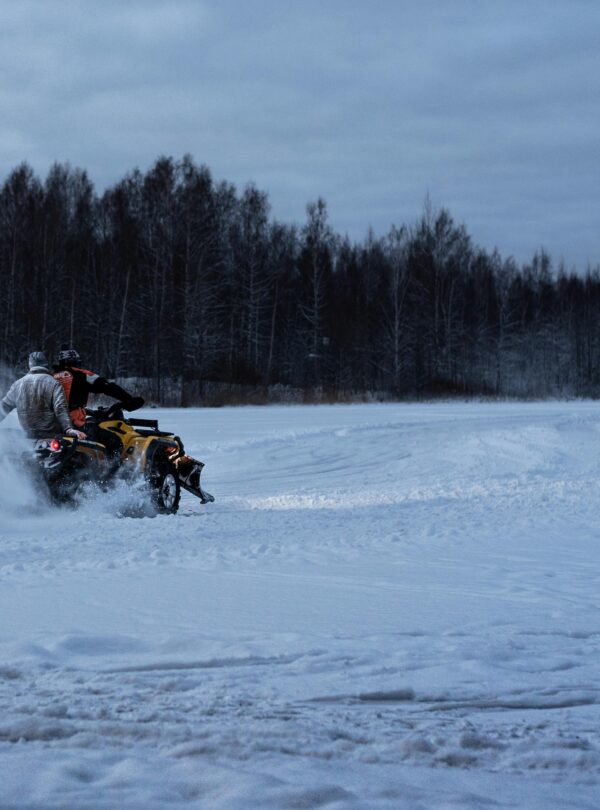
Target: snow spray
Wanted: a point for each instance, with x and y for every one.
(17, 491)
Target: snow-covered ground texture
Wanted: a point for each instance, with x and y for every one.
(391, 606)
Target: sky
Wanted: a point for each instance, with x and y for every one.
(489, 108)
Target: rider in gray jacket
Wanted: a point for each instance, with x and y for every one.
(40, 402)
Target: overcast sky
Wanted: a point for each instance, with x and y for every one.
(491, 107)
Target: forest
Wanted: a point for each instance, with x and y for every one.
(192, 286)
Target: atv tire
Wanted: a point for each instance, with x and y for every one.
(166, 491)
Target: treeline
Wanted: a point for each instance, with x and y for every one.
(171, 276)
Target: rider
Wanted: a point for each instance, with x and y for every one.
(40, 402)
(78, 383)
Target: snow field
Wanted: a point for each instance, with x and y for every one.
(387, 606)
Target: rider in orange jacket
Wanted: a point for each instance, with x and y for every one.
(78, 383)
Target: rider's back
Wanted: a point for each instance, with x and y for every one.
(40, 403)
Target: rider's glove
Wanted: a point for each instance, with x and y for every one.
(133, 403)
(78, 434)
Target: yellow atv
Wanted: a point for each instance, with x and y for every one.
(124, 448)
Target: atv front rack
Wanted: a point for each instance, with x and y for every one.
(148, 423)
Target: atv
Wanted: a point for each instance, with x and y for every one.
(119, 447)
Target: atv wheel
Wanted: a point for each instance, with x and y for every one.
(166, 491)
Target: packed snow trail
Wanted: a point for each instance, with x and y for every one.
(387, 606)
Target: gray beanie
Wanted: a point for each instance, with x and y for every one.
(38, 359)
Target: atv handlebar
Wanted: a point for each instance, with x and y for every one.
(114, 410)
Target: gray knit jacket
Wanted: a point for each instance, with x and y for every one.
(40, 402)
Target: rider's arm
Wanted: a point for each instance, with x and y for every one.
(61, 408)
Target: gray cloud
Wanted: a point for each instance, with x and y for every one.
(491, 108)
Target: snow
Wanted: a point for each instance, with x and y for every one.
(387, 606)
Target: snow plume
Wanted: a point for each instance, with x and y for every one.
(123, 498)
(8, 374)
(7, 377)
(17, 490)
